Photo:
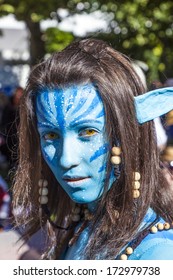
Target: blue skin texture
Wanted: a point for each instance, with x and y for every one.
(71, 125)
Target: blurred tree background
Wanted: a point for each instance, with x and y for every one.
(142, 29)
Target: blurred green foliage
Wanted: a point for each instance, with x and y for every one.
(56, 39)
(35, 10)
(142, 29)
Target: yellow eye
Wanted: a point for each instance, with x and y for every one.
(50, 136)
(88, 132)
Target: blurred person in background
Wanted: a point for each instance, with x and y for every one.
(3, 103)
(12, 247)
(9, 124)
(4, 100)
(5, 204)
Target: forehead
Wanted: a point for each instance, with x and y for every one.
(72, 103)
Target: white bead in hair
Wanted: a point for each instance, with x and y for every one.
(43, 191)
(43, 183)
(43, 199)
(116, 159)
(136, 184)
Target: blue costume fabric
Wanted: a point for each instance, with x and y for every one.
(155, 246)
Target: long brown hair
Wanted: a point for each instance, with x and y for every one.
(94, 61)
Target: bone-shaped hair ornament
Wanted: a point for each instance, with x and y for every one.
(153, 104)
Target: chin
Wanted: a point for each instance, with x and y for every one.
(83, 200)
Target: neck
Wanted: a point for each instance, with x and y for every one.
(92, 206)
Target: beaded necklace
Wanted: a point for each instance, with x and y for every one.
(133, 244)
(128, 251)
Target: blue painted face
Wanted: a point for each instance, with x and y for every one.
(73, 141)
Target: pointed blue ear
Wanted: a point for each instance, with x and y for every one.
(153, 104)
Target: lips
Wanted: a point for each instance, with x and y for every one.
(75, 180)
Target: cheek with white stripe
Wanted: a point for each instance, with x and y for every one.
(50, 154)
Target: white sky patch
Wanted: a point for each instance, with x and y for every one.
(82, 24)
(11, 23)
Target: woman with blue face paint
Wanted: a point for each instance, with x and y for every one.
(89, 171)
(71, 125)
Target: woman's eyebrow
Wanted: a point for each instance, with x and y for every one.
(85, 121)
(45, 125)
